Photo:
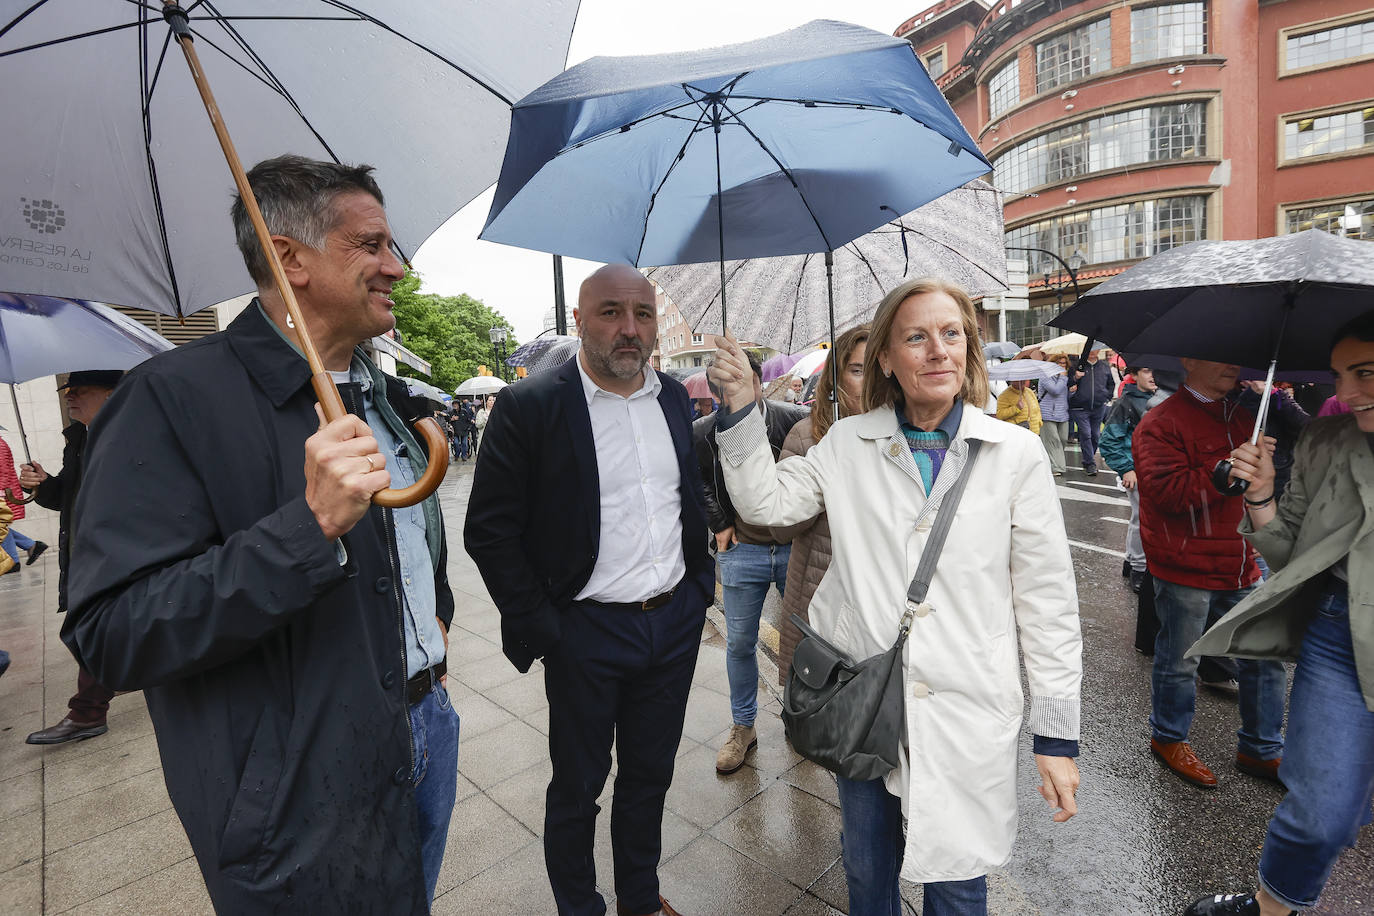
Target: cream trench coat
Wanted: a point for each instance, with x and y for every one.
(1005, 568)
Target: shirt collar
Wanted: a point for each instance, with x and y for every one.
(590, 389)
(1201, 397)
(949, 425)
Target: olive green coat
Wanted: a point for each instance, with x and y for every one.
(1326, 513)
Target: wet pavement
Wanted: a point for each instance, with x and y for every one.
(87, 827)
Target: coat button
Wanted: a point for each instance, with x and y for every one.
(382, 585)
(401, 776)
(920, 690)
(389, 680)
(894, 449)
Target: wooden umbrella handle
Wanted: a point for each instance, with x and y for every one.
(325, 389)
(17, 499)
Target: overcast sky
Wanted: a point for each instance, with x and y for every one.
(519, 283)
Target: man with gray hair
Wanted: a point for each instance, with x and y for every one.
(290, 637)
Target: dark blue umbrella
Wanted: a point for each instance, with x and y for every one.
(793, 144)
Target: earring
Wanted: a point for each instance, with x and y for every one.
(887, 373)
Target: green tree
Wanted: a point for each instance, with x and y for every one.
(449, 331)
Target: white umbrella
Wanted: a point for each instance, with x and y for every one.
(1021, 369)
(481, 384)
(808, 365)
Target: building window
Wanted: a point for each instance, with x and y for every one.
(696, 360)
(696, 338)
(1073, 55)
(1004, 89)
(1342, 132)
(1118, 233)
(1353, 219)
(935, 63)
(1330, 46)
(1176, 30)
(1141, 135)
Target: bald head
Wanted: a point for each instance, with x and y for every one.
(617, 319)
(618, 282)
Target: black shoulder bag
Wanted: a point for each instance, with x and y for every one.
(849, 716)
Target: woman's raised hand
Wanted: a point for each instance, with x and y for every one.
(730, 372)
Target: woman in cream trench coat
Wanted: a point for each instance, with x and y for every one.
(1004, 569)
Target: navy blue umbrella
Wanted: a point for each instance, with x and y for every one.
(793, 144)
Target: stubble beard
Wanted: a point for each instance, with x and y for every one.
(622, 367)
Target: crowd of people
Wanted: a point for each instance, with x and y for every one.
(252, 600)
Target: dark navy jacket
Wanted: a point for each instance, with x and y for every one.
(275, 676)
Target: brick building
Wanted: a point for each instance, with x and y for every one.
(1121, 128)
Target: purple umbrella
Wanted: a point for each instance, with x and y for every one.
(775, 367)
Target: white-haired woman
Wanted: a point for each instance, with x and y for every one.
(1005, 569)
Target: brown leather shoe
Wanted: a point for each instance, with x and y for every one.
(1260, 769)
(1179, 757)
(665, 909)
(67, 730)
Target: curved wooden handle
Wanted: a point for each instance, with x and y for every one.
(437, 443)
(16, 499)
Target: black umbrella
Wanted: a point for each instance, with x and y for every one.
(1254, 303)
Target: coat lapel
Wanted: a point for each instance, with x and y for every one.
(583, 443)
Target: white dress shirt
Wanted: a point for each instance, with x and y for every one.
(640, 555)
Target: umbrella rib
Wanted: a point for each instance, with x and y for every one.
(21, 17)
(644, 233)
(956, 251)
(148, 151)
(66, 38)
(786, 171)
(382, 25)
(274, 83)
(796, 302)
(666, 113)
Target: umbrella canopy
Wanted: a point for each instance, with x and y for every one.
(1000, 349)
(697, 385)
(481, 384)
(957, 237)
(419, 389)
(41, 335)
(809, 364)
(545, 353)
(1022, 369)
(1066, 345)
(1230, 301)
(775, 367)
(115, 188)
(785, 145)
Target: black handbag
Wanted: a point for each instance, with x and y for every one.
(849, 716)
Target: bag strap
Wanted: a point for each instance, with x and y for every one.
(944, 518)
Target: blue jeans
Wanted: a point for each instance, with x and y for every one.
(15, 542)
(872, 842)
(746, 571)
(1184, 613)
(1089, 423)
(434, 725)
(1329, 764)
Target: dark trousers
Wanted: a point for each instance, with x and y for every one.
(92, 700)
(619, 676)
(1089, 423)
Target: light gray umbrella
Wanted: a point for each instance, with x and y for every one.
(479, 384)
(115, 190)
(782, 302)
(1018, 370)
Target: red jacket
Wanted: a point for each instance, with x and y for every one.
(9, 478)
(1187, 527)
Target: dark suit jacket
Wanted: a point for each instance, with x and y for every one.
(534, 518)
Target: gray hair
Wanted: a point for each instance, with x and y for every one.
(296, 196)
